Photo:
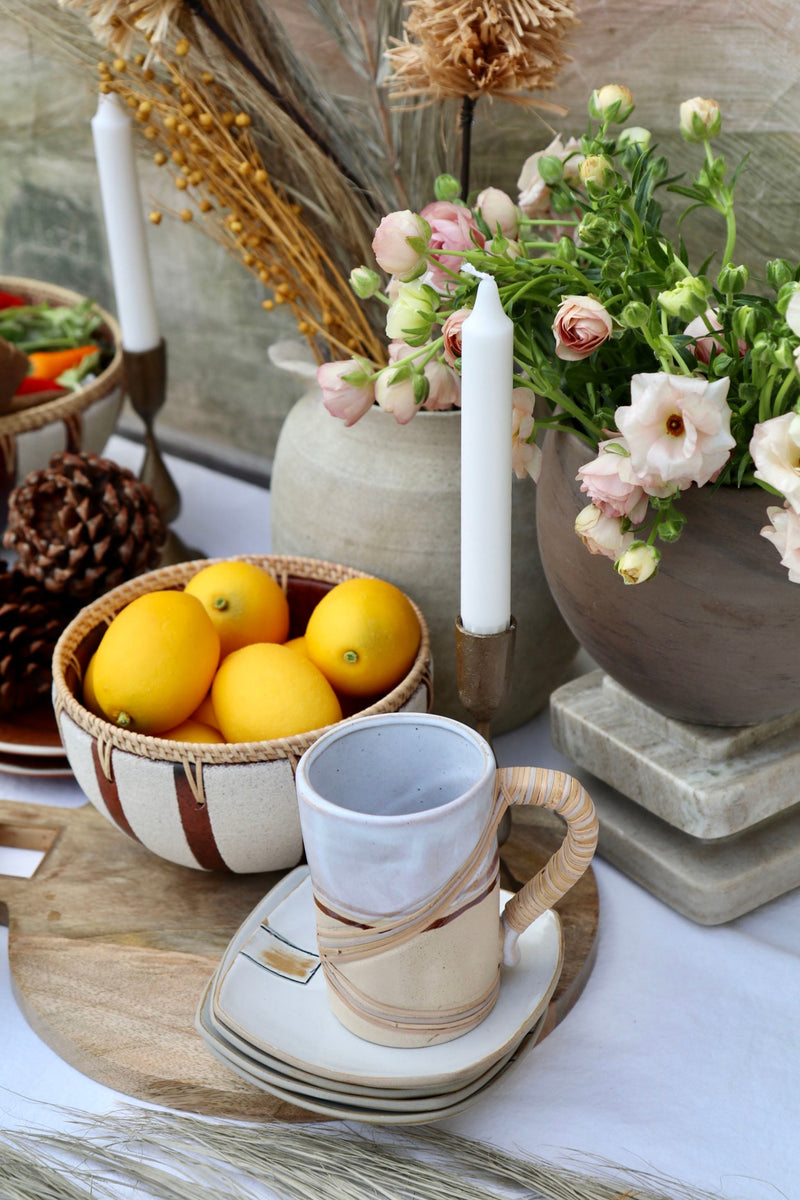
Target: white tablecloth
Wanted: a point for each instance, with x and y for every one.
(682, 1055)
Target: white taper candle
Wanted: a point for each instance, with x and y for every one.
(487, 372)
(125, 229)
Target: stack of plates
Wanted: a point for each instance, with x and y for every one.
(30, 744)
(265, 1015)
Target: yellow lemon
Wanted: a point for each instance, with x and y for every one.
(363, 635)
(89, 697)
(204, 713)
(298, 644)
(244, 602)
(194, 731)
(155, 662)
(266, 691)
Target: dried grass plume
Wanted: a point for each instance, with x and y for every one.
(511, 49)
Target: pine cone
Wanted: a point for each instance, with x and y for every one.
(82, 525)
(31, 621)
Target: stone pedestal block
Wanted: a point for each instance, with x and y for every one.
(707, 819)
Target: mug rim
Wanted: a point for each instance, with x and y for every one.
(311, 797)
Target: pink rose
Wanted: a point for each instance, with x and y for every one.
(611, 484)
(453, 228)
(580, 326)
(601, 534)
(391, 247)
(677, 428)
(704, 343)
(775, 450)
(396, 398)
(451, 331)
(784, 533)
(347, 392)
(498, 209)
(443, 383)
(526, 457)
(534, 194)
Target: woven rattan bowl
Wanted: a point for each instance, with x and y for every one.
(80, 420)
(230, 807)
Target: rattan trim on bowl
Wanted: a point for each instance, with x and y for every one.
(62, 407)
(192, 755)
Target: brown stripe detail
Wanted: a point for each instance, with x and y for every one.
(73, 425)
(110, 792)
(8, 463)
(196, 823)
(329, 912)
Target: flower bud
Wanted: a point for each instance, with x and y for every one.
(733, 279)
(447, 187)
(744, 323)
(671, 527)
(613, 103)
(551, 169)
(779, 272)
(413, 313)
(498, 211)
(364, 282)
(700, 119)
(634, 135)
(566, 250)
(638, 562)
(784, 352)
(597, 172)
(400, 243)
(562, 200)
(689, 298)
(594, 229)
(634, 315)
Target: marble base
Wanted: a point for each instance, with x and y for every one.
(706, 819)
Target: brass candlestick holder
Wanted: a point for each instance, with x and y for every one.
(483, 665)
(146, 385)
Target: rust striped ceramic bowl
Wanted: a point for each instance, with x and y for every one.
(229, 807)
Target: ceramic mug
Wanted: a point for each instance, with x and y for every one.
(399, 815)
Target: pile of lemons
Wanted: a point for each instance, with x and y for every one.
(212, 663)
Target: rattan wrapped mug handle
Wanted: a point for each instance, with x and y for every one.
(564, 795)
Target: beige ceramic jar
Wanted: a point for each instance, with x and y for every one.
(385, 498)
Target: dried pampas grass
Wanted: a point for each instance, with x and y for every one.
(175, 1157)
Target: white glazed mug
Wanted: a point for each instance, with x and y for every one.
(399, 815)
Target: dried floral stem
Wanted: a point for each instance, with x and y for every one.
(220, 167)
(177, 1157)
(466, 120)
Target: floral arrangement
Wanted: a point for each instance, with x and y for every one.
(674, 376)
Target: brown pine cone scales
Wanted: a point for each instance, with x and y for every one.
(82, 525)
(31, 621)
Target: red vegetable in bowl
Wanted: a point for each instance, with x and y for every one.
(9, 300)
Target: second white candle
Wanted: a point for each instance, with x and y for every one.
(487, 375)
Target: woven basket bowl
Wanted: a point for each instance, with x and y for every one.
(229, 807)
(79, 420)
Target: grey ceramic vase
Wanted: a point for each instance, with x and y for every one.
(386, 498)
(712, 638)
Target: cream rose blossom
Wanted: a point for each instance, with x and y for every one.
(534, 194)
(346, 392)
(581, 325)
(391, 243)
(611, 483)
(775, 450)
(784, 533)
(526, 457)
(601, 534)
(677, 428)
(638, 562)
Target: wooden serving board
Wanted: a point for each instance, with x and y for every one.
(111, 948)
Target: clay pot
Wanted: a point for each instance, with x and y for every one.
(712, 637)
(386, 498)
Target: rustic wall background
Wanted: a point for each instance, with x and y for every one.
(222, 385)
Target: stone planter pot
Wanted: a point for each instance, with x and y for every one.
(712, 638)
(386, 498)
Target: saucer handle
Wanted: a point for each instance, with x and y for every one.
(567, 797)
